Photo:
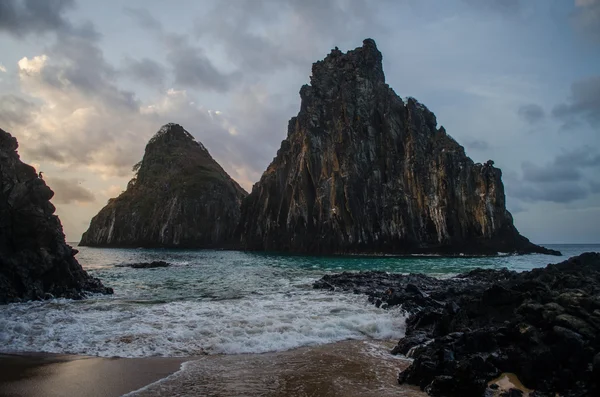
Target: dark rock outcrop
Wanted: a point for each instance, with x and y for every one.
(180, 197)
(361, 170)
(35, 261)
(542, 325)
(145, 265)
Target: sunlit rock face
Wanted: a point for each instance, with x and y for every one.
(180, 197)
(35, 261)
(362, 171)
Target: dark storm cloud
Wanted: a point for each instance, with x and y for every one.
(67, 191)
(563, 180)
(562, 192)
(595, 187)
(15, 111)
(583, 104)
(531, 113)
(550, 173)
(20, 18)
(146, 71)
(567, 166)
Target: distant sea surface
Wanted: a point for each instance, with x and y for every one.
(225, 302)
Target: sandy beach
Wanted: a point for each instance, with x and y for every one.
(54, 375)
(348, 368)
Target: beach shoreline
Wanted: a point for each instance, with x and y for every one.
(348, 368)
(53, 375)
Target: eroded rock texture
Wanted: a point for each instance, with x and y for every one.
(35, 261)
(542, 325)
(180, 197)
(361, 170)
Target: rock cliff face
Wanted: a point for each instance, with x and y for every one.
(361, 170)
(35, 261)
(180, 197)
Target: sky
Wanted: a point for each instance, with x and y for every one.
(85, 84)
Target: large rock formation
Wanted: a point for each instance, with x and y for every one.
(361, 170)
(180, 197)
(35, 261)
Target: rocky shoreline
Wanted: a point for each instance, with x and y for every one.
(542, 325)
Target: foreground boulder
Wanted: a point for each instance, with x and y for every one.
(362, 171)
(180, 197)
(542, 325)
(35, 261)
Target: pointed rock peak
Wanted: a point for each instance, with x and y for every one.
(171, 132)
(361, 63)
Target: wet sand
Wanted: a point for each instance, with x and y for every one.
(349, 368)
(54, 375)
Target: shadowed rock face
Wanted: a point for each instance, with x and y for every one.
(542, 325)
(35, 261)
(180, 197)
(361, 170)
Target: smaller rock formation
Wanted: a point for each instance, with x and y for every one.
(35, 261)
(180, 197)
(542, 325)
(145, 265)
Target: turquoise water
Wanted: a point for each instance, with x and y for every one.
(223, 302)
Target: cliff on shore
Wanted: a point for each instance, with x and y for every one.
(35, 261)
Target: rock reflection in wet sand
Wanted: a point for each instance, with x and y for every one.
(349, 368)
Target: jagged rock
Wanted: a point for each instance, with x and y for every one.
(145, 265)
(361, 170)
(465, 331)
(35, 261)
(180, 197)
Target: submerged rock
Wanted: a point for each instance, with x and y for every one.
(35, 261)
(542, 325)
(361, 170)
(145, 265)
(180, 197)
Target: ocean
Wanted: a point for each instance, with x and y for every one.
(224, 303)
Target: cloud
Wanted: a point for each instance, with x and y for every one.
(253, 37)
(476, 144)
(15, 111)
(146, 71)
(2, 68)
(583, 104)
(531, 113)
(595, 187)
(21, 18)
(551, 173)
(192, 68)
(189, 63)
(143, 17)
(564, 192)
(507, 7)
(563, 180)
(67, 191)
(587, 18)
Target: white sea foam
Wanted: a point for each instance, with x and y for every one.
(253, 324)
